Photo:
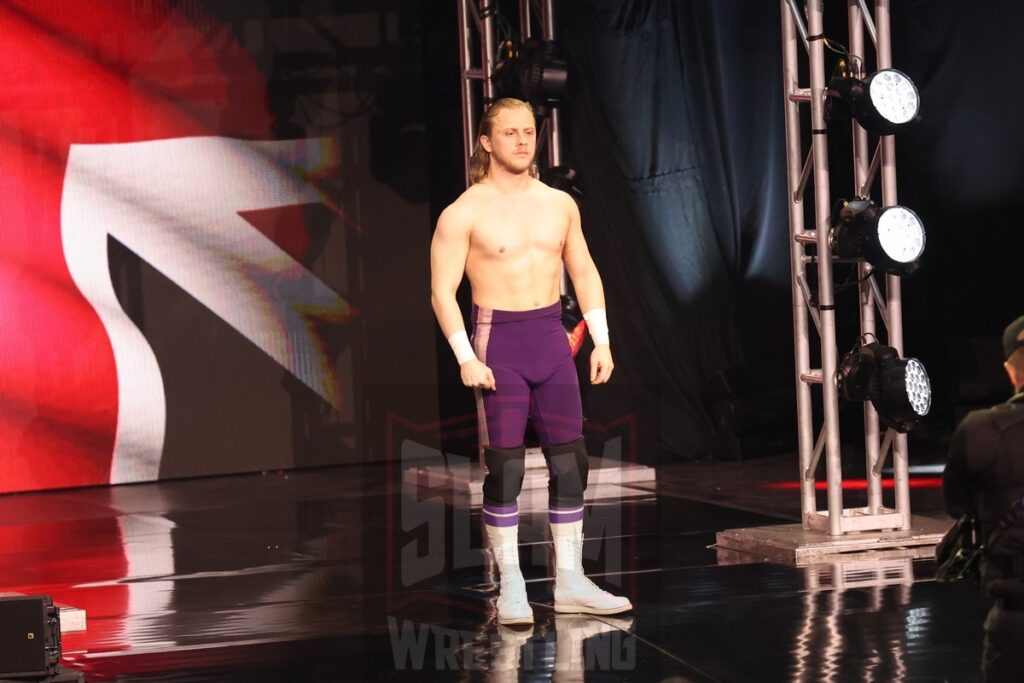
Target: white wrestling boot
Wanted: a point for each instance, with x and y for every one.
(513, 605)
(574, 592)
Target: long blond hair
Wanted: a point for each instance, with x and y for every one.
(480, 162)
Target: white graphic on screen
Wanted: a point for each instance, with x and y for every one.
(176, 204)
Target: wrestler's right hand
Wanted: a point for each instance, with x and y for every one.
(476, 375)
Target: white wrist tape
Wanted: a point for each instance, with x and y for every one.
(461, 346)
(597, 323)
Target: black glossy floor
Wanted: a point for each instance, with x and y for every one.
(345, 575)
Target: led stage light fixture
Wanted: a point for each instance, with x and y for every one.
(891, 239)
(531, 72)
(898, 388)
(883, 103)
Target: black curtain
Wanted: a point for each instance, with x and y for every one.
(674, 121)
(962, 170)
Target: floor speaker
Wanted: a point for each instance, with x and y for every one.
(29, 637)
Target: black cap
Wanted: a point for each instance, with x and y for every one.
(1013, 337)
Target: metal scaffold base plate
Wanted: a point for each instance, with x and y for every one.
(793, 544)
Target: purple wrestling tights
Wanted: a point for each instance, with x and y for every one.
(535, 376)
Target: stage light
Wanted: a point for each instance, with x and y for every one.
(891, 238)
(531, 72)
(883, 103)
(898, 388)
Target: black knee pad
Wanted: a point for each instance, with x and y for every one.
(568, 467)
(505, 470)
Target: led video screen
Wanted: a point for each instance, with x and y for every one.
(213, 238)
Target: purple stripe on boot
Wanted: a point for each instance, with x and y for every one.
(494, 520)
(556, 516)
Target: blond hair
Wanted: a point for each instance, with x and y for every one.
(480, 162)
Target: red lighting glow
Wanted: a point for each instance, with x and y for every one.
(857, 484)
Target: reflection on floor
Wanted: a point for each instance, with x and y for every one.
(343, 574)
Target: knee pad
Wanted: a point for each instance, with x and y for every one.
(505, 470)
(568, 468)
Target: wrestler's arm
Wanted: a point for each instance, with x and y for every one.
(449, 250)
(589, 289)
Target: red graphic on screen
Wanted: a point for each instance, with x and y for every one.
(577, 336)
(79, 71)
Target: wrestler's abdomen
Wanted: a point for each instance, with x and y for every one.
(512, 268)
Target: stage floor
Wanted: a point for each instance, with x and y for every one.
(344, 574)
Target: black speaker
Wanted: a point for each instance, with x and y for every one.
(29, 636)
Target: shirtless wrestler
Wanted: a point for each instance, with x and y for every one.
(510, 234)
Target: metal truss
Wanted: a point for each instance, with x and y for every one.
(478, 48)
(802, 31)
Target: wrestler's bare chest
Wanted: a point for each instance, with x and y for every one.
(504, 230)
